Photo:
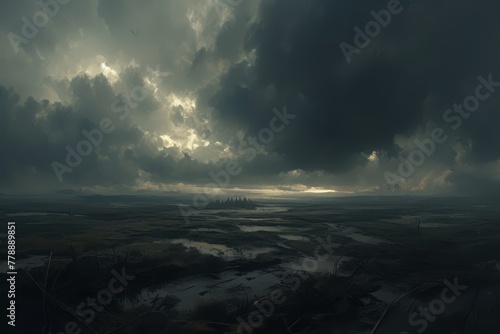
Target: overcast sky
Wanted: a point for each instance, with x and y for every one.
(281, 96)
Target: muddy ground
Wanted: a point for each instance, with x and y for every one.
(345, 265)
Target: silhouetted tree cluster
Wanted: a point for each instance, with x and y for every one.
(232, 202)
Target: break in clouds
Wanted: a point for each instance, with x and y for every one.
(158, 95)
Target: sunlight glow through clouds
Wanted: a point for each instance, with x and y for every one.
(109, 73)
(373, 157)
(189, 143)
(263, 192)
(188, 104)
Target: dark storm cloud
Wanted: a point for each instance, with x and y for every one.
(431, 49)
(34, 134)
(424, 61)
(228, 68)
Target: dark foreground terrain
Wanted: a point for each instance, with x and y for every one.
(129, 264)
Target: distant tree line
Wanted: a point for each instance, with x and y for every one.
(232, 202)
